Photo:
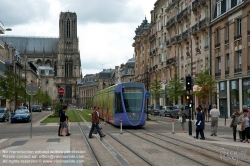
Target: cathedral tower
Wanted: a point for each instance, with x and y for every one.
(68, 65)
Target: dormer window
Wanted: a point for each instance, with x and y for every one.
(218, 9)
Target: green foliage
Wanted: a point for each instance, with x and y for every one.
(155, 90)
(207, 84)
(46, 100)
(7, 86)
(174, 88)
(89, 103)
(57, 107)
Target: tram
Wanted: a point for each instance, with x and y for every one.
(123, 102)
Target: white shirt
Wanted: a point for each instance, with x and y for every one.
(215, 113)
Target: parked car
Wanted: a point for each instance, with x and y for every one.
(155, 110)
(48, 108)
(36, 108)
(166, 110)
(20, 115)
(177, 109)
(4, 114)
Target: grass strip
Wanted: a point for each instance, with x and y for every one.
(70, 113)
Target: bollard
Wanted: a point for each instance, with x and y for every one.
(172, 125)
(121, 126)
(225, 119)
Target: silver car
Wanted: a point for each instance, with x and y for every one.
(166, 110)
(177, 109)
(155, 110)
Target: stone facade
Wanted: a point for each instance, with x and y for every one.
(62, 54)
(230, 53)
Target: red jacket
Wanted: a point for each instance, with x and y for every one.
(95, 118)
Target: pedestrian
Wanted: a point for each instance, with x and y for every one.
(199, 124)
(101, 130)
(63, 122)
(95, 123)
(244, 121)
(214, 113)
(183, 116)
(234, 123)
(59, 114)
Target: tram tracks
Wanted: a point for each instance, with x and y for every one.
(205, 153)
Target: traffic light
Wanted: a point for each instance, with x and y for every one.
(188, 83)
(189, 97)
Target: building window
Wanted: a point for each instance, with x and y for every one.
(68, 28)
(206, 39)
(218, 35)
(238, 26)
(238, 59)
(218, 9)
(227, 62)
(198, 67)
(182, 71)
(218, 65)
(227, 31)
(228, 4)
(239, 1)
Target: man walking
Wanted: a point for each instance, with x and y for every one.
(214, 113)
(63, 122)
(95, 123)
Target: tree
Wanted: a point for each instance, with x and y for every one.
(39, 96)
(207, 84)
(155, 90)
(7, 86)
(175, 88)
(89, 103)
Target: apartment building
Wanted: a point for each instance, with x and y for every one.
(141, 52)
(231, 53)
(179, 40)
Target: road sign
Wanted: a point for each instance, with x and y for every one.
(60, 91)
(148, 95)
(32, 88)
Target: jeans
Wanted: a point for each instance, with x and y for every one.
(59, 128)
(247, 132)
(92, 129)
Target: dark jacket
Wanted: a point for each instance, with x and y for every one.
(200, 118)
(95, 118)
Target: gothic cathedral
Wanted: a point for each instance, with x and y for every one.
(68, 67)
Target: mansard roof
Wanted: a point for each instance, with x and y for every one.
(144, 25)
(32, 45)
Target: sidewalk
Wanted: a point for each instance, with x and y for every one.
(40, 151)
(221, 122)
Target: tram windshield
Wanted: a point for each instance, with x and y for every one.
(133, 98)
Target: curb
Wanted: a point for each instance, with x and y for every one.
(4, 143)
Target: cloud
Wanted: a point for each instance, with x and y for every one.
(23, 12)
(103, 11)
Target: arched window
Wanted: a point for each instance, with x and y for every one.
(39, 62)
(66, 68)
(70, 68)
(48, 63)
(68, 28)
(55, 69)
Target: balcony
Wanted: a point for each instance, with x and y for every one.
(226, 72)
(173, 40)
(217, 45)
(206, 47)
(217, 74)
(195, 5)
(184, 34)
(227, 41)
(237, 70)
(204, 23)
(170, 61)
(178, 38)
(195, 28)
(170, 22)
(237, 37)
(152, 37)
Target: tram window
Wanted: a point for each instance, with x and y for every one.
(118, 104)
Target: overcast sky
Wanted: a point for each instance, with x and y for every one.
(106, 28)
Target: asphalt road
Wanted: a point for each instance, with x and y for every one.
(17, 130)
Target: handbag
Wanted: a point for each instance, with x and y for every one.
(180, 119)
(239, 127)
(232, 122)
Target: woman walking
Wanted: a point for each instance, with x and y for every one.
(244, 121)
(234, 123)
(199, 124)
(183, 115)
